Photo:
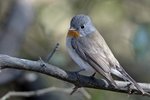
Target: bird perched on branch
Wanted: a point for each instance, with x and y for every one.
(89, 50)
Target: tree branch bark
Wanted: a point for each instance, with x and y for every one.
(71, 77)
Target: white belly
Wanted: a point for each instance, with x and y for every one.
(77, 59)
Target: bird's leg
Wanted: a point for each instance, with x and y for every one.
(92, 76)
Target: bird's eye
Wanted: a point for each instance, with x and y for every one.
(82, 27)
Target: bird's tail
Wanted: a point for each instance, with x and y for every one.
(127, 77)
(110, 80)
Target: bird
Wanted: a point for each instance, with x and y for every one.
(89, 50)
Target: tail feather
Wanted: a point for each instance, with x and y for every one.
(127, 77)
(111, 80)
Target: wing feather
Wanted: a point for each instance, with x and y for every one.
(93, 51)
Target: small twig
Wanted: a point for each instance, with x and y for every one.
(74, 90)
(42, 62)
(34, 93)
(41, 92)
(52, 53)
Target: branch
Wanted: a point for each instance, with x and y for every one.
(71, 77)
(42, 92)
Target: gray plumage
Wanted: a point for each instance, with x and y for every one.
(90, 51)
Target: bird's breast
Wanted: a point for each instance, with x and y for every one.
(77, 58)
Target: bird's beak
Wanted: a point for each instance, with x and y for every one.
(73, 33)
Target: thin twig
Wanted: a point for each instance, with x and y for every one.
(34, 93)
(52, 53)
(74, 90)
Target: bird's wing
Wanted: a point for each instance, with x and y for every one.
(94, 52)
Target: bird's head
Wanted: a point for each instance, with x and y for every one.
(80, 25)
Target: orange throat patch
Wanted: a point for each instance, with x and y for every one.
(73, 33)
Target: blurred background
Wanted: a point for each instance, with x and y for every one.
(31, 28)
